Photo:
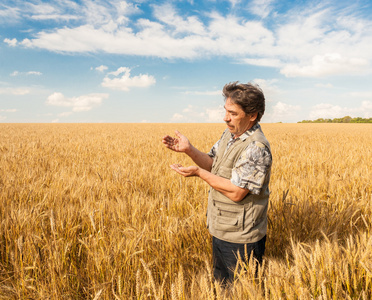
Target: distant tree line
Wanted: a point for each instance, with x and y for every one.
(346, 119)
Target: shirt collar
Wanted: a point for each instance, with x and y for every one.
(247, 133)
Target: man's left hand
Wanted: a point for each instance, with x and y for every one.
(186, 171)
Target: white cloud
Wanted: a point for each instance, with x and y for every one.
(14, 91)
(16, 73)
(125, 82)
(281, 112)
(8, 110)
(120, 71)
(194, 114)
(262, 8)
(263, 62)
(231, 36)
(312, 41)
(65, 114)
(324, 85)
(366, 107)
(124, 8)
(270, 90)
(314, 46)
(188, 109)
(81, 103)
(11, 42)
(161, 39)
(96, 13)
(215, 115)
(177, 118)
(34, 73)
(102, 68)
(330, 111)
(9, 14)
(325, 110)
(42, 8)
(234, 2)
(328, 64)
(168, 15)
(51, 11)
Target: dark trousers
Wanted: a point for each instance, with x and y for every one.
(225, 257)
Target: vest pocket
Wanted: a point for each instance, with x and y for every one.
(228, 217)
(224, 172)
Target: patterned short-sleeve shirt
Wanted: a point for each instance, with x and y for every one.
(252, 166)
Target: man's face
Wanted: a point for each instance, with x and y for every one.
(236, 119)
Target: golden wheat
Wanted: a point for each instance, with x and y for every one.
(93, 211)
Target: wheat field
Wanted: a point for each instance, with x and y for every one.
(93, 211)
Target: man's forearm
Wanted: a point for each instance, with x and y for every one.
(203, 160)
(223, 185)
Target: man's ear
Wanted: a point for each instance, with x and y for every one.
(253, 117)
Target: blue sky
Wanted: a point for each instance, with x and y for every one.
(167, 61)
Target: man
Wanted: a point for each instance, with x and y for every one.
(238, 171)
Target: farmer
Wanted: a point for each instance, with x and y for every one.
(237, 168)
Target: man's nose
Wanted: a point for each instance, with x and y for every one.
(226, 118)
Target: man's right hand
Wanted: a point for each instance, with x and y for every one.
(179, 144)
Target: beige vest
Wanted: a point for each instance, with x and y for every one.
(237, 222)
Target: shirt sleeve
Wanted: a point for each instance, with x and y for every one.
(252, 167)
(212, 153)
